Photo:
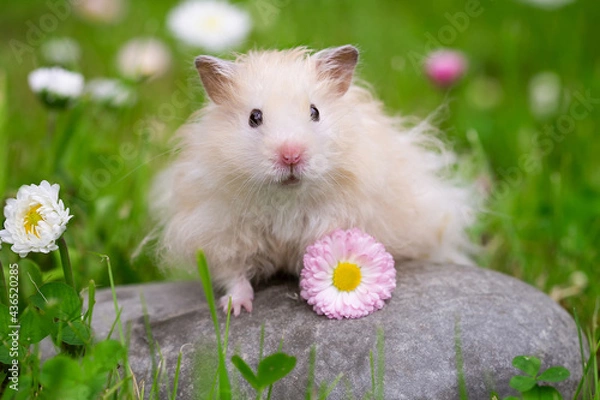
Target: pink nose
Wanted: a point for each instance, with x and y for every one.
(291, 154)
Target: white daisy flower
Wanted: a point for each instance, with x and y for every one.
(548, 4)
(212, 25)
(143, 58)
(110, 92)
(544, 94)
(35, 219)
(56, 87)
(103, 11)
(61, 51)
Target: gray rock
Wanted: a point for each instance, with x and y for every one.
(495, 318)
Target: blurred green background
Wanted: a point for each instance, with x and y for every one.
(540, 224)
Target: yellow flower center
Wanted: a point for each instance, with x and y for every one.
(212, 23)
(346, 276)
(31, 220)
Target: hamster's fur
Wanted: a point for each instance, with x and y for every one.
(260, 175)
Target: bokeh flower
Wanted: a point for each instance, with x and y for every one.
(445, 67)
(347, 274)
(212, 25)
(578, 282)
(35, 219)
(544, 94)
(548, 4)
(143, 58)
(63, 51)
(484, 92)
(55, 86)
(102, 11)
(110, 92)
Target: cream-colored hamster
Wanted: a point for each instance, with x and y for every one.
(288, 149)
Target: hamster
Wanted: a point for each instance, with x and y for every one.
(289, 148)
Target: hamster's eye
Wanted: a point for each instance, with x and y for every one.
(314, 113)
(256, 118)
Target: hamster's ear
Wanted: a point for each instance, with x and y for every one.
(216, 76)
(337, 64)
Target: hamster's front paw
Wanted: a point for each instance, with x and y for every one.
(241, 295)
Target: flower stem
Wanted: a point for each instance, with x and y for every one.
(51, 125)
(60, 144)
(66, 262)
(4, 294)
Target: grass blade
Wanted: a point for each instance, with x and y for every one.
(261, 344)
(3, 287)
(176, 378)
(380, 364)
(372, 366)
(66, 262)
(224, 384)
(154, 350)
(3, 132)
(325, 391)
(227, 321)
(126, 366)
(91, 302)
(460, 365)
(310, 385)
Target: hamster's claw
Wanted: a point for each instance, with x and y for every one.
(236, 305)
(241, 295)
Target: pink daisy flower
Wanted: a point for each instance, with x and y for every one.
(347, 274)
(444, 67)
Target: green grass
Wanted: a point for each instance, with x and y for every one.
(541, 224)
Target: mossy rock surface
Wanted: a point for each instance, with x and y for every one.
(493, 316)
